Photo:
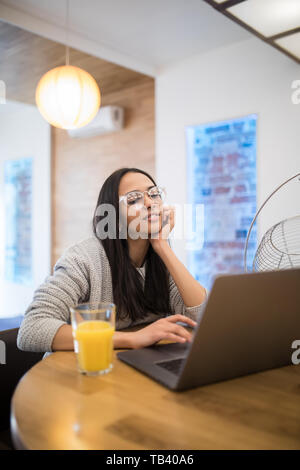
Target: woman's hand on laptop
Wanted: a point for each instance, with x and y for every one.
(164, 328)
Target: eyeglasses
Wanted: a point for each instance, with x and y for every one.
(136, 198)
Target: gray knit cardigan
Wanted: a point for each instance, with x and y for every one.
(82, 274)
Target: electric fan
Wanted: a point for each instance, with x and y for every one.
(280, 245)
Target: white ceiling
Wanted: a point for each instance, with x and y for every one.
(145, 35)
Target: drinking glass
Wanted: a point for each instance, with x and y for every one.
(93, 326)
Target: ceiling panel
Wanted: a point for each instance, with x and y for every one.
(156, 32)
(25, 57)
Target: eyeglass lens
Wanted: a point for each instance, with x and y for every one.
(138, 197)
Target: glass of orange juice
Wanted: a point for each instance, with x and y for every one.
(93, 326)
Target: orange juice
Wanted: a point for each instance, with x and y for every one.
(95, 345)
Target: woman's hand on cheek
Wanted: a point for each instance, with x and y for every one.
(167, 224)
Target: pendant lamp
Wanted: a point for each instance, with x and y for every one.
(68, 97)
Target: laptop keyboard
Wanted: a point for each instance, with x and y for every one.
(174, 365)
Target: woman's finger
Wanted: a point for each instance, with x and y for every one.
(183, 318)
(175, 337)
(180, 331)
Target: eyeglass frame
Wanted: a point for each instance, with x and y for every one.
(123, 198)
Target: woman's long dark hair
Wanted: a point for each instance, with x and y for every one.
(129, 296)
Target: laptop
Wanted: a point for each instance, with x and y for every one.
(248, 325)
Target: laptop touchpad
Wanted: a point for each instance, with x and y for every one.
(172, 365)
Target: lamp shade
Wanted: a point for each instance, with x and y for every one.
(67, 97)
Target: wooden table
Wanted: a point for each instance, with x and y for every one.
(55, 407)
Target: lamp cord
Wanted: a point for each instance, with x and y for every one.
(67, 34)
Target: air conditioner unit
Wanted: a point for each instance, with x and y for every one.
(108, 119)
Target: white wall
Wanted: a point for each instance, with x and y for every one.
(245, 78)
(24, 133)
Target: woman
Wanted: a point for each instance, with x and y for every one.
(142, 276)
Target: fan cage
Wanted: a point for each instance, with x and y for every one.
(279, 247)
